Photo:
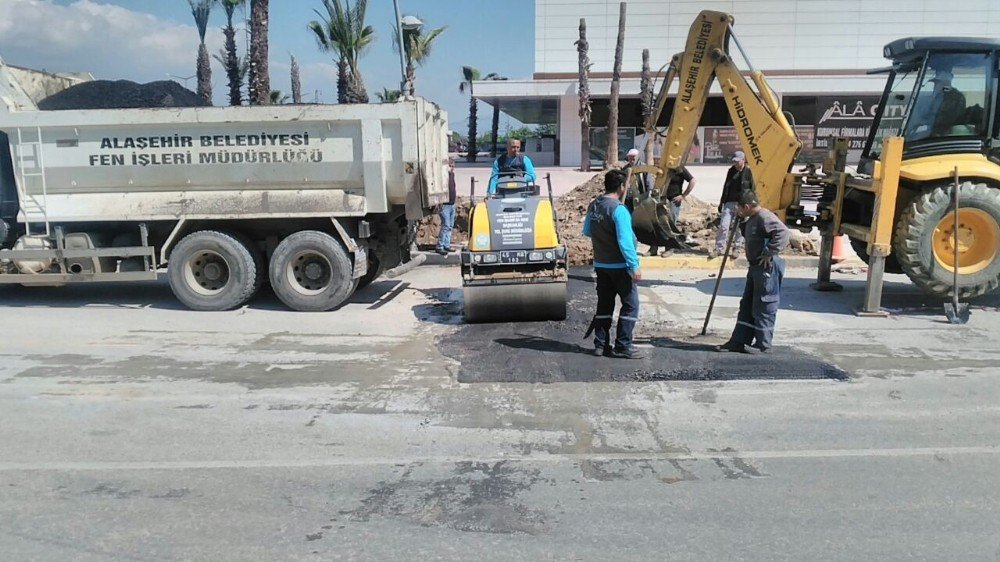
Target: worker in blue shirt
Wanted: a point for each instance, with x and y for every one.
(511, 162)
(609, 226)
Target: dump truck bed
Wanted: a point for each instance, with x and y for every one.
(264, 161)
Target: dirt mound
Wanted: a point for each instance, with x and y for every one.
(571, 209)
(699, 221)
(122, 94)
(429, 228)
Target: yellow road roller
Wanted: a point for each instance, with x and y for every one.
(514, 267)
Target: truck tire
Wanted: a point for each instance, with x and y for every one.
(260, 263)
(924, 240)
(374, 270)
(211, 270)
(311, 272)
(860, 248)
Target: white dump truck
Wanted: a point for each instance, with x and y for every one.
(316, 199)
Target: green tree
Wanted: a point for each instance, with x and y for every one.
(278, 97)
(201, 9)
(231, 61)
(418, 48)
(343, 31)
(388, 96)
(470, 75)
(242, 68)
(260, 79)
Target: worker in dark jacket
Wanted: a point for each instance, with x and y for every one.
(511, 161)
(447, 213)
(609, 226)
(766, 237)
(739, 178)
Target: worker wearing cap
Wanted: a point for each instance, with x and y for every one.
(616, 264)
(936, 114)
(739, 178)
(511, 162)
(766, 237)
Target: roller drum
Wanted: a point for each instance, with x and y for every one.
(515, 302)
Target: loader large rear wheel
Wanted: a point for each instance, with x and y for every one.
(211, 270)
(925, 240)
(311, 272)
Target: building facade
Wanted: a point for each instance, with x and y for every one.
(816, 55)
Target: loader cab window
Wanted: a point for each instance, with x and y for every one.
(951, 97)
(893, 111)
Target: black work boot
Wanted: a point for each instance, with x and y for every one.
(732, 347)
(631, 353)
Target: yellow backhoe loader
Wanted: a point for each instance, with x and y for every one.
(937, 119)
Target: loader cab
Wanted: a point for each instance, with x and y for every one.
(940, 96)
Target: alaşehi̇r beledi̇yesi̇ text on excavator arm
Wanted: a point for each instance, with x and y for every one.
(768, 140)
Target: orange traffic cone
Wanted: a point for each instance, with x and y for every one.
(840, 252)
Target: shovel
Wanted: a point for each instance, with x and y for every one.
(733, 227)
(956, 312)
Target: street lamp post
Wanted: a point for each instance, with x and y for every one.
(402, 63)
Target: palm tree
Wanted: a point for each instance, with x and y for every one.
(201, 9)
(242, 69)
(646, 103)
(296, 82)
(616, 78)
(582, 46)
(495, 128)
(470, 75)
(418, 50)
(278, 97)
(344, 32)
(260, 80)
(388, 96)
(231, 60)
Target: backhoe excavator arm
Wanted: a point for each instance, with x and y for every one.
(768, 140)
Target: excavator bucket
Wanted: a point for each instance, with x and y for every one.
(653, 224)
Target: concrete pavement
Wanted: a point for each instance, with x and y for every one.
(134, 429)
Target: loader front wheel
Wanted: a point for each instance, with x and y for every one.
(311, 272)
(925, 240)
(211, 270)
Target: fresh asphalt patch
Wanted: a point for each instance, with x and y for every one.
(551, 352)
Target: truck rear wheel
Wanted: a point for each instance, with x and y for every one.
(311, 272)
(211, 270)
(925, 240)
(260, 263)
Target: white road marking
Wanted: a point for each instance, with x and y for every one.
(370, 461)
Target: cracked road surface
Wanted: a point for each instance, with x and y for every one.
(134, 429)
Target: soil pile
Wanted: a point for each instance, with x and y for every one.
(699, 221)
(571, 209)
(429, 228)
(122, 94)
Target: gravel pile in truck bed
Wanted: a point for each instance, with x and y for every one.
(122, 94)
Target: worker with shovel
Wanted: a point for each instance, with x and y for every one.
(766, 236)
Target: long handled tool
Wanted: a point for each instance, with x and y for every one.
(733, 227)
(956, 312)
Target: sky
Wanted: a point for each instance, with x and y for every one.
(147, 40)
